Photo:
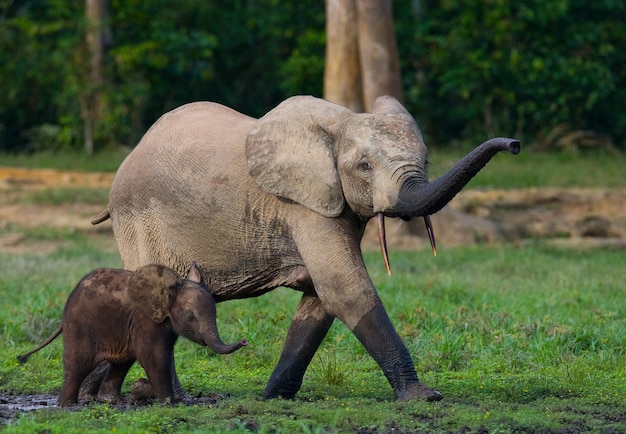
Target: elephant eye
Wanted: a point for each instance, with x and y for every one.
(364, 166)
(191, 317)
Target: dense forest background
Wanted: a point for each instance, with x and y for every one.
(538, 70)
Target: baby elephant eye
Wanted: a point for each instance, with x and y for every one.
(191, 317)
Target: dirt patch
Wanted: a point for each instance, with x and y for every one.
(17, 176)
(12, 405)
(18, 214)
(566, 217)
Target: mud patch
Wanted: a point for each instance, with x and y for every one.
(11, 406)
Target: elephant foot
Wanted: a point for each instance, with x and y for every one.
(142, 390)
(109, 398)
(185, 399)
(419, 391)
(181, 396)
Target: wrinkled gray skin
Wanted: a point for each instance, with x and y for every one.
(114, 317)
(283, 201)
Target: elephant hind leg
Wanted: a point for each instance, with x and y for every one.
(91, 384)
(75, 374)
(307, 331)
(111, 389)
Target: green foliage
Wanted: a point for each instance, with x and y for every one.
(500, 67)
(39, 49)
(470, 69)
(244, 54)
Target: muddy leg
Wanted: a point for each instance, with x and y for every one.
(111, 389)
(91, 385)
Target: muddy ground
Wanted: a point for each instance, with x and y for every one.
(12, 405)
(579, 218)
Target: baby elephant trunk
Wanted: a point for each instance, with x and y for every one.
(210, 336)
(219, 347)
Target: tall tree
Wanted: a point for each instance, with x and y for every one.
(98, 40)
(342, 72)
(362, 61)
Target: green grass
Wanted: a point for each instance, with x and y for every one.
(106, 160)
(66, 195)
(529, 339)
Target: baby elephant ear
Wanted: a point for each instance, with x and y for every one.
(153, 289)
(291, 153)
(194, 274)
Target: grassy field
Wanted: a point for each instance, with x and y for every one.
(518, 339)
(526, 339)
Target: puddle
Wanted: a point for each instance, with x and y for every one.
(11, 406)
(28, 402)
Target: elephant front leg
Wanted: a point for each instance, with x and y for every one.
(376, 333)
(346, 291)
(158, 366)
(307, 331)
(179, 392)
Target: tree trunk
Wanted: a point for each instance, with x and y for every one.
(362, 61)
(342, 74)
(378, 52)
(98, 38)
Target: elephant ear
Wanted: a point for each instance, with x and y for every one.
(291, 153)
(194, 274)
(153, 289)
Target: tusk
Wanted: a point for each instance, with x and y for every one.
(382, 239)
(431, 233)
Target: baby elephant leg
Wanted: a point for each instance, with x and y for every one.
(158, 369)
(76, 370)
(111, 390)
(91, 385)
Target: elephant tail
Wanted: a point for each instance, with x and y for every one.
(99, 218)
(24, 357)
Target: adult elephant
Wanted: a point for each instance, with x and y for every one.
(283, 201)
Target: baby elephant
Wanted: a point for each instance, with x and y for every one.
(120, 316)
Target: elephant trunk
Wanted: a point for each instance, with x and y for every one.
(423, 199)
(213, 341)
(417, 198)
(208, 334)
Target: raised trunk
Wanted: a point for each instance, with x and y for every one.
(419, 199)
